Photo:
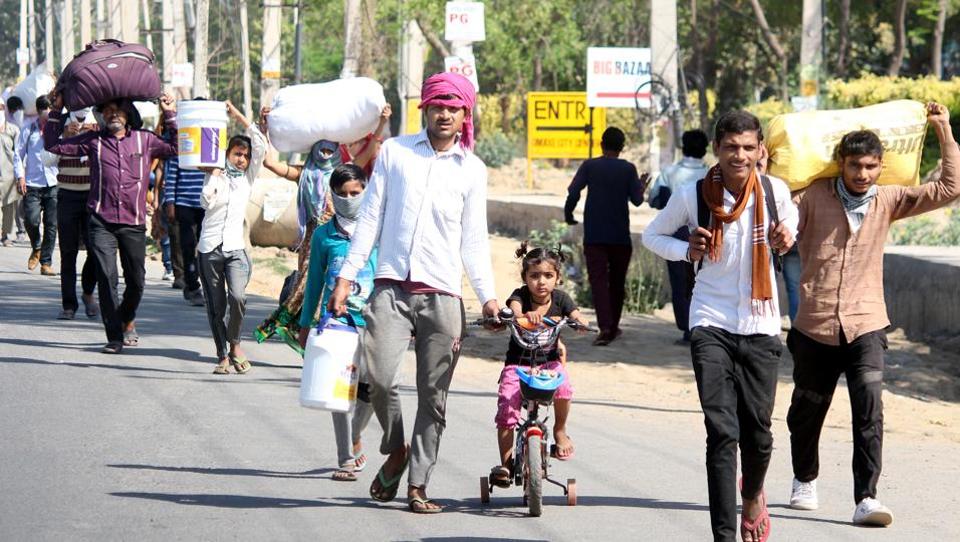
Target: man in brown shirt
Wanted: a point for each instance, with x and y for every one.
(840, 327)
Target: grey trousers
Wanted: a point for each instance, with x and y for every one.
(224, 277)
(8, 213)
(347, 426)
(437, 322)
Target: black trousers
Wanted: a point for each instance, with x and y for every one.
(607, 267)
(189, 220)
(40, 208)
(737, 382)
(72, 219)
(131, 242)
(816, 369)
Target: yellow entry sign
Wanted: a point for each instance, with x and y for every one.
(558, 125)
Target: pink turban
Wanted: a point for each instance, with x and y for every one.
(463, 95)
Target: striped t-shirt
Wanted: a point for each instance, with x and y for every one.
(74, 173)
(181, 186)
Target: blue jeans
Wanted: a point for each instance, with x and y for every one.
(791, 279)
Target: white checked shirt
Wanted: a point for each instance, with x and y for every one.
(721, 294)
(427, 212)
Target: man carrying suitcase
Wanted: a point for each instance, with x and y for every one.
(120, 155)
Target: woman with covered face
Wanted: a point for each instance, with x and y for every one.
(314, 208)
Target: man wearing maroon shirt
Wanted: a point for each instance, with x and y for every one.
(120, 155)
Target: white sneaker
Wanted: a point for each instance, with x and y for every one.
(168, 275)
(804, 495)
(871, 512)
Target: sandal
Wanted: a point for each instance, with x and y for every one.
(388, 488)
(222, 368)
(130, 337)
(421, 506)
(346, 473)
(360, 462)
(500, 476)
(748, 527)
(240, 364)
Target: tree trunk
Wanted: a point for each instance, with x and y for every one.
(936, 51)
(698, 66)
(537, 72)
(900, 45)
(844, 31)
(775, 46)
(352, 40)
(435, 42)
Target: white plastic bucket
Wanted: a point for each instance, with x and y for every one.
(330, 376)
(201, 133)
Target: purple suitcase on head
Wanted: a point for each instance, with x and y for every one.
(107, 70)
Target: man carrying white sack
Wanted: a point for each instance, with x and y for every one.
(426, 207)
(840, 326)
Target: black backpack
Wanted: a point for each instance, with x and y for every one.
(703, 220)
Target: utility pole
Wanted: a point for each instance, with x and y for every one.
(101, 20)
(68, 45)
(32, 33)
(180, 43)
(148, 36)
(352, 39)
(811, 54)
(167, 45)
(130, 25)
(270, 60)
(664, 52)
(114, 20)
(298, 44)
(84, 23)
(200, 83)
(412, 50)
(48, 55)
(23, 54)
(245, 60)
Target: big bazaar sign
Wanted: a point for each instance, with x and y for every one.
(615, 76)
(559, 125)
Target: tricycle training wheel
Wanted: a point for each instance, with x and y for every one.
(571, 492)
(484, 490)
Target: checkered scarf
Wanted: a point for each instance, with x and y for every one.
(761, 295)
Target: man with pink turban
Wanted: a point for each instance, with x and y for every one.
(426, 209)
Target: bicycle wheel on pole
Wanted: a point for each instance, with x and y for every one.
(534, 475)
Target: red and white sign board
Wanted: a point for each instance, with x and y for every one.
(464, 22)
(614, 75)
(465, 66)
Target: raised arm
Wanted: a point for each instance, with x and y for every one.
(915, 200)
(160, 148)
(78, 145)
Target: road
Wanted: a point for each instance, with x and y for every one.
(149, 445)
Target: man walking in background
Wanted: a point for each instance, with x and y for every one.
(36, 172)
(690, 168)
(612, 183)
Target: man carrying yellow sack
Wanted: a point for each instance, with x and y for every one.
(840, 327)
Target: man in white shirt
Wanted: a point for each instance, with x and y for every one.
(734, 313)
(36, 172)
(426, 209)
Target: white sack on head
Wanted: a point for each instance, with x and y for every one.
(344, 110)
(39, 83)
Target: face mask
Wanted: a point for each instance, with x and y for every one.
(324, 151)
(232, 171)
(18, 119)
(347, 208)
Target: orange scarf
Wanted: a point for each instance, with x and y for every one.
(761, 294)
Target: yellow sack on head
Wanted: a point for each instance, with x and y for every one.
(802, 145)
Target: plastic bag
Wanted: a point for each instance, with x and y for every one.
(344, 110)
(39, 83)
(802, 145)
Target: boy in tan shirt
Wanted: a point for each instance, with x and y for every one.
(840, 327)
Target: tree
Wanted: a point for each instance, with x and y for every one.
(900, 35)
(774, 43)
(844, 34)
(936, 50)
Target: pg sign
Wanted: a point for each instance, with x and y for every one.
(614, 74)
(464, 22)
(559, 125)
(465, 66)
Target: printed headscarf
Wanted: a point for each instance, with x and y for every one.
(315, 183)
(463, 95)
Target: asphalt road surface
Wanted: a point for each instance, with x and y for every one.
(149, 445)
